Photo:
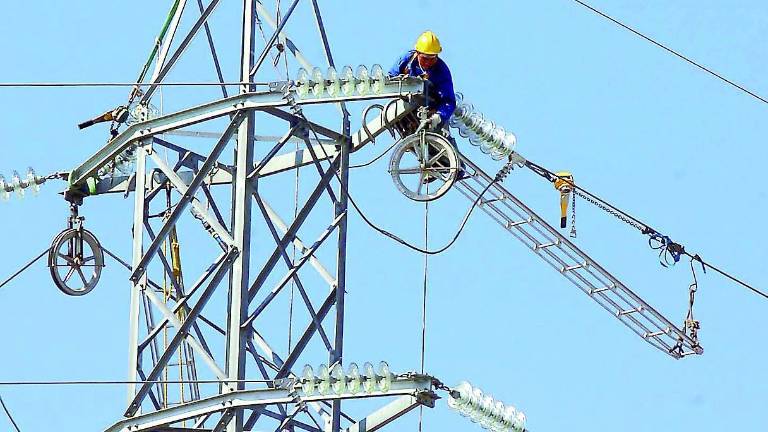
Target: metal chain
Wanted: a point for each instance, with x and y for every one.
(439, 385)
(609, 210)
(573, 214)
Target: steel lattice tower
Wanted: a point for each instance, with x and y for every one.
(246, 353)
(225, 321)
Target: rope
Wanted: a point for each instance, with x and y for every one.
(424, 302)
(26, 266)
(673, 52)
(8, 413)
(426, 279)
(690, 326)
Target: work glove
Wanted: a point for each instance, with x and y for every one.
(434, 120)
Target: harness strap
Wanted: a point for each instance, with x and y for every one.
(407, 66)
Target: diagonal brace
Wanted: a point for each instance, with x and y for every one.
(289, 236)
(187, 196)
(295, 276)
(294, 269)
(181, 333)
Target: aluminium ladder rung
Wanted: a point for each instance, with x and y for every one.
(545, 245)
(655, 334)
(611, 287)
(573, 267)
(630, 311)
(518, 223)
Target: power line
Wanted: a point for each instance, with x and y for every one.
(127, 84)
(26, 266)
(675, 53)
(119, 382)
(744, 284)
(8, 413)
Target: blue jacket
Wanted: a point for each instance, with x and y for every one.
(440, 95)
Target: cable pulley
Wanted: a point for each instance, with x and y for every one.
(424, 158)
(75, 258)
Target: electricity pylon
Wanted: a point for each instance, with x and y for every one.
(224, 318)
(222, 327)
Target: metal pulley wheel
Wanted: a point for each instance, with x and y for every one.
(75, 261)
(424, 166)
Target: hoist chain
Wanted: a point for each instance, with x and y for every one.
(573, 214)
(610, 210)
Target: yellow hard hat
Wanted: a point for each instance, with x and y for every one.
(428, 43)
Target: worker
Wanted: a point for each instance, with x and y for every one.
(423, 62)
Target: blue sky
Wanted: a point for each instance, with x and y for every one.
(657, 137)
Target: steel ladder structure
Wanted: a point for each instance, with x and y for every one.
(574, 264)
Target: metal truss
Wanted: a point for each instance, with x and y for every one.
(223, 319)
(412, 391)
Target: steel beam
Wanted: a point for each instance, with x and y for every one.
(281, 225)
(243, 399)
(181, 303)
(389, 413)
(340, 210)
(242, 189)
(291, 160)
(295, 277)
(295, 268)
(329, 58)
(194, 343)
(137, 287)
(249, 101)
(289, 236)
(212, 47)
(285, 369)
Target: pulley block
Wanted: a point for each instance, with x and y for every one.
(424, 166)
(75, 258)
